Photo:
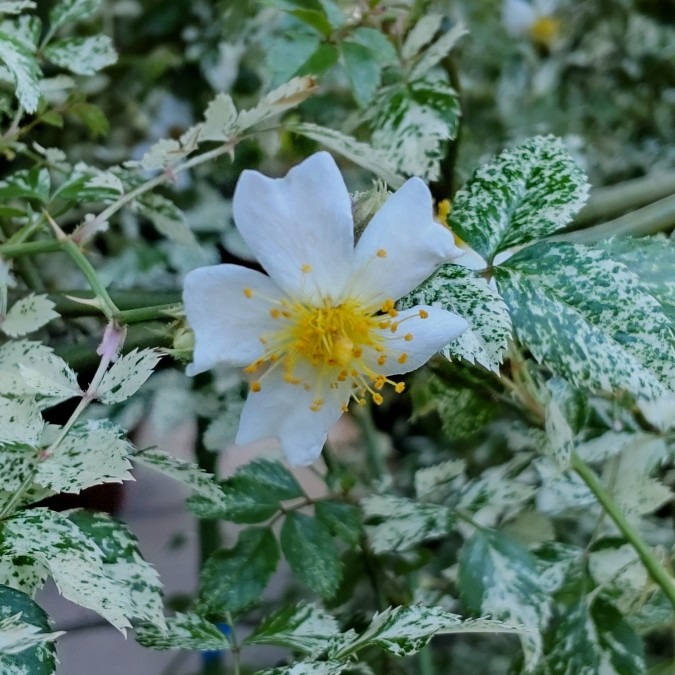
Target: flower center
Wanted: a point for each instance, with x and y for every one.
(324, 346)
(545, 30)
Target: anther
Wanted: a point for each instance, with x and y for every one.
(381, 359)
(402, 358)
(255, 386)
(275, 313)
(306, 268)
(408, 337)
(424, 314)
(399, 387)
(377, 399)
(248, 292)
(381, 253)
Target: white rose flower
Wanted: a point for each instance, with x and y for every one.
(322, 328)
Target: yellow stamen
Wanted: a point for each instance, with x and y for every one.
(402, 358)
(248, 292)
(424, 314)
(255, 386)
(381, 253)
(305, 269)
(408, 337)
(399, 388)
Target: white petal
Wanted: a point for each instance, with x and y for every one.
(429, 336)
(410, 242)
(518, 16)
(227, 324)
(283, 410)
(300, 222)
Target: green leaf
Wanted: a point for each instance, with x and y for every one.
(82, 55)
(26, 645)
(167, 218)
(343, 520)
(252, 495)
(653, 260)
(363, 71)
(405, 630)
(287, 55)
(304, 627)
(123, 563)
(524, 194)
(377, 43)
(463, 411)
(405, 523)
(126, 376)
(67, 11)
(309, 668)
(189, 474)
(91, 116)
(27, 315)
(16, 6)
(91, 454)
(597, 327)
(232, 579)
(412, 124)
(311, 552)
(314, 19)
(421, 34)
(498, 577)
(459, 290)
(24, 69)
(183, 631)
(27, 184)
(321, 60)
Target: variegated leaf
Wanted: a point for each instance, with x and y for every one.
(16, 636)
(65, 11)
(405, 523)
(524, 194)
(183, 631)
(498, 577)
(29, 368)
(27, 315)
(82, 55)
(127, 375)
(20, 421)
(413, 123)
(24, 70)
(304, 627)
(588, 319)
(459, 290)
(91, 454)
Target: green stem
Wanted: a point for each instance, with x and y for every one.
(611, 201)
(108, 307)
(66, 304)
(425, 659)
(656, 217)
(30, 248)
(657, 572)
(153, 313)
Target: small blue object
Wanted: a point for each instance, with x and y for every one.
(216, 655)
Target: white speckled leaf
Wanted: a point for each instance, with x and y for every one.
(15, 6)
(123, 563)
(405, 630)
(125, 377)
(524, 194)
(24, 70)
(28, 314)
(196, 479)
(309, 668)
(30, 368)
(183, 631)
(167, 218)
(65, 11)
(73, 560)
(358, 152)
(459, 290)
(437, 51)
(17, 464)
(91, 454)
(219, 119)
(589, 319)
(499, 577)
(412, 124)
(405, 523)
(20, 421)
(560, 435)
(304, 627)
(82, 55)
(17, 635)
(23, 573)
(421, 34)
(438, 479)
